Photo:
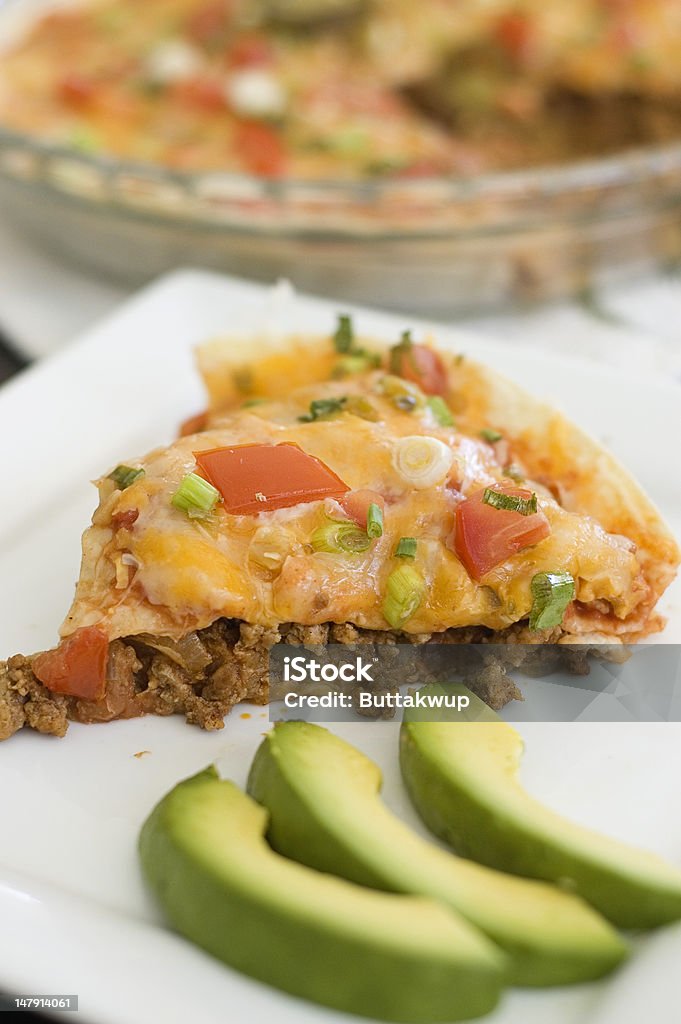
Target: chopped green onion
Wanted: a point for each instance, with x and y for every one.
(360, 406)
(551, 594)
(405, 591)
(406, 547)
(375, 521)
(321, 408)
(490, 435)
(403, 394)
(440, 411)
(345, 335)
(422, 461)
(510, 502)
(403, 348)
(335, 537)
(356, 359)
(195, 497)
(357, 362)
(249, 403)
(123, 476)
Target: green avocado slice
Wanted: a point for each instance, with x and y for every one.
(400, 958)
(322, 797)
(462, 779)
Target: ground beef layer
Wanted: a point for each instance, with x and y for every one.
(205, 675)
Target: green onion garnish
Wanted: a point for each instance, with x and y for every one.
(357, 362)
(403, 394)
(375, 521)
(490, 435)
(345, 335)
(360, 406)
(510, 502)
(440, 411)
(321, 408)
(406, 547)
(123, 476)
(404, 593)
(335, 537)
(356, 359)
(551, 594)
(403, 348)
(195, 497)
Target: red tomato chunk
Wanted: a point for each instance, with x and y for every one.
(256, 478)
(422, 366)
(356, 504)
(76, 667)
(486, 536)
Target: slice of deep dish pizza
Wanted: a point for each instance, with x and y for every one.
(338, 491)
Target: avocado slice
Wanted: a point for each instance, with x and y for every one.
(401, 958)
(322, 797)
(462, 779)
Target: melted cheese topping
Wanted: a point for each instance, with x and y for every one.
(167, 574)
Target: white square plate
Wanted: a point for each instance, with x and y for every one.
(74, 917)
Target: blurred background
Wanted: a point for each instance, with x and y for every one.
(514, 164)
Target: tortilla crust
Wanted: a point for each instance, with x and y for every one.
(585, 476)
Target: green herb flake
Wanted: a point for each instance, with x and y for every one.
(343, 339)
(400, 351)
(510, 502)
(491, 436)
(323, 408)
(406, 547)
(124, 476)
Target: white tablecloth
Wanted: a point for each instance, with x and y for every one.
(43, 304)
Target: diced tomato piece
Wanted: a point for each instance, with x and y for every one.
(256, 478)
(77, 666)
(251, 51)
(194, 424)
(261, 148)
(515, 34)
(423, 366)
(76, 90)
(355, 504)
(486, 536)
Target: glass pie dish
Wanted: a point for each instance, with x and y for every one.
(437, 245)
